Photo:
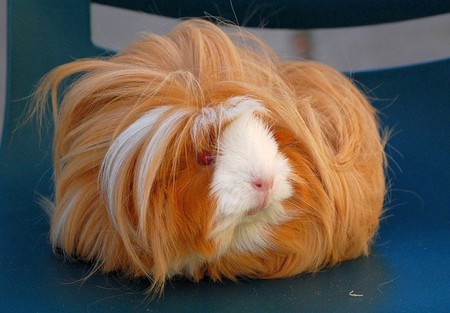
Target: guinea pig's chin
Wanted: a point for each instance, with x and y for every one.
(247, 231)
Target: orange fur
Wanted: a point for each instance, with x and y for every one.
(322, 123)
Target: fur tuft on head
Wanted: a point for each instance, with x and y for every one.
(200, 153)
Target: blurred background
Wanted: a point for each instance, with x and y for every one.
(348, 49)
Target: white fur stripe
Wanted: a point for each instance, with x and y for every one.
(58, 230)
(120, 152)
(159, 141)
(228, 111)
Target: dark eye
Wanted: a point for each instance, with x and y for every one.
(205, 158)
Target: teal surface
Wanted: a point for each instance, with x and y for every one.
(292, 13)
(407, 272)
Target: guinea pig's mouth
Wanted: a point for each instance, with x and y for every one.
(264, 202)
(254, 211)
(257, 209)
(273, 210)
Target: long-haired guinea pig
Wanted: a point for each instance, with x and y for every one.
(202, 154)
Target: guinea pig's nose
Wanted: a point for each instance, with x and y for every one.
(264, 185)
(263, 188)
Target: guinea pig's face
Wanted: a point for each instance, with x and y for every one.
(249, 184)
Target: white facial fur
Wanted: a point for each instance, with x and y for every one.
(247, 156)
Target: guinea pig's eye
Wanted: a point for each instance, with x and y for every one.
(205, 158)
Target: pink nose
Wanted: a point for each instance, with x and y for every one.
(263, 185)
(264, 190)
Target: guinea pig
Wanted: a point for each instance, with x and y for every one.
(202, 154)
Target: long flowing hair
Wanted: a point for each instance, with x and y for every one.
(129, 195)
